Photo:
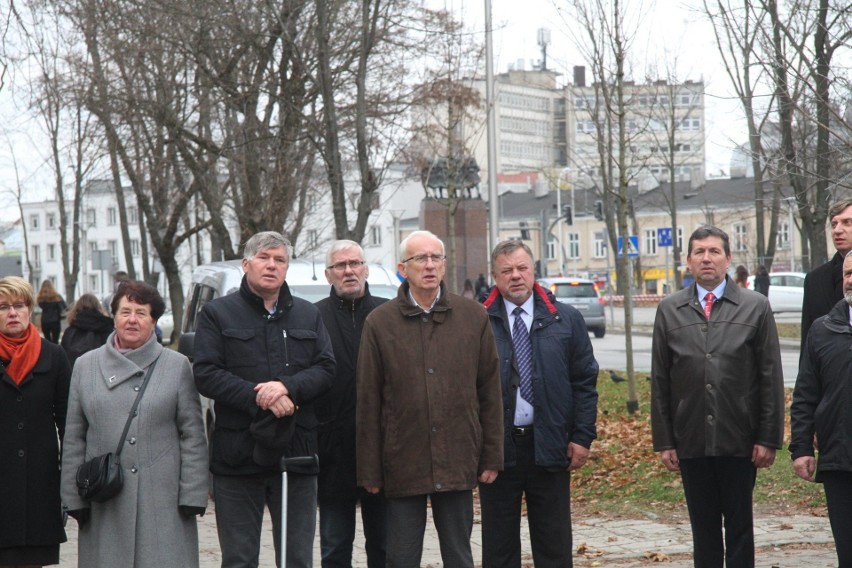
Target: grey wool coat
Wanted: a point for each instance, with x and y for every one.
(164, 457)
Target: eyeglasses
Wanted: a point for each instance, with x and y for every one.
(424, 258)
(341, 266)
(19, 307)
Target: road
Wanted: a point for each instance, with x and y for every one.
(610, 351)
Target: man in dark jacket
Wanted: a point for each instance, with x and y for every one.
(545, 437)
(258, 351)
(824, 284)
(717, 398)
(343, 313)
(823, 383)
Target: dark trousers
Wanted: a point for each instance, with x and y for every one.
(838, 495)
(239, 516)
(452, 512)
(720, 489)
(548, 496)
(337, 529)
(51, 331)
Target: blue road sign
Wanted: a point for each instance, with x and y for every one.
(632, 246)
(664, 237)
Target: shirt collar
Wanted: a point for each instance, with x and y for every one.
(425, 310)
(718, 291)
(528, 306)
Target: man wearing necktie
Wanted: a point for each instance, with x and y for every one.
(717, 399)
(549, 375)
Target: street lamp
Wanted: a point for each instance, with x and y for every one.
(566, 171)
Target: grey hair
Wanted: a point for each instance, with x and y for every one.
(266, 240)
(403, 246)
(340, 245)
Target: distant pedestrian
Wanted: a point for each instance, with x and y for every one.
(467, 290)
(88, 327)
(741, 276)
(118, 279)
(481, 285)
(52, 311)
(821, 406)
(717, 399)
(761, 281)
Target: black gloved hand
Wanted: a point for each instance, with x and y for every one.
(81, 516)
(190, 511)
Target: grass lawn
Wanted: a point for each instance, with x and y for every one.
(624, 475)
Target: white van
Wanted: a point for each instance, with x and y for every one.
(305, 279)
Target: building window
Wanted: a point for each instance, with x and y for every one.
(134, 248)
(650, 239)
(600, 245)
(551, 249)
(35, 256)
(680, 238)
(50, 220)
(113, 249)
(374, 237)
(93, 283)
(573, 245)
(782, 237)
(91, 218)
(34, 223)
(740, 237)
(132, 215)
(51, 252)
(93, 247)
(112, 216)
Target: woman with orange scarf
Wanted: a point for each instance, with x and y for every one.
(34, 380)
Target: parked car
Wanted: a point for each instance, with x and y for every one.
(786, 290)
(582, 294)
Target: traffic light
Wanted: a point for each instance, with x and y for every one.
(568, 213)
(599, 214)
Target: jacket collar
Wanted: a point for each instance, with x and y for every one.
(689, 295)
(538, 291)
(350, 305)
(408, 309)
(118, 367)
(837, 319)
(285, 300)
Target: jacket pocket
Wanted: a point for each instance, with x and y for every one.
(241, 349)
(233, 447)
(299, 347)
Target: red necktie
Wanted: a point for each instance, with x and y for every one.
(708, 304)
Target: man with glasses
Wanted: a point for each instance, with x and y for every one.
(343, 312)
(549, 376)
(429, 410)
(264, 357)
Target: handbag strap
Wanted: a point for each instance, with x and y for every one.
(135, 405)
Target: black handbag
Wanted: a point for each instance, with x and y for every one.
(101, 478)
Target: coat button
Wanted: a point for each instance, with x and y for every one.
(20, 398)
(430, 370)
(434, 428)
(20, 453)
(136, 389)
(439, 485)
(708, 356)
(133, 469)
(710, 419)
(424, 319)
(132, 441)
(709, 387)
(20, 425)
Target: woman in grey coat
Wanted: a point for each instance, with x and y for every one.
(152, 521)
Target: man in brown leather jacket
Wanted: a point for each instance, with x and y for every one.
(717, 399)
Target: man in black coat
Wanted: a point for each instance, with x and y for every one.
(343, 312)
(824, 284)
(257, 351)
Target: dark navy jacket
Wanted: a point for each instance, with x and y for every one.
(565, 377)
(238, 345)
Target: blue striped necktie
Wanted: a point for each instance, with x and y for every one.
(523, 354)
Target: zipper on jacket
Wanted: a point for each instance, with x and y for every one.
(286, 353)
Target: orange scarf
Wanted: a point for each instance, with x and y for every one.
(21, 352)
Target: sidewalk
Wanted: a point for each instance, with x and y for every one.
(782, 541)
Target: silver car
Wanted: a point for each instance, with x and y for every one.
(583, 295)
